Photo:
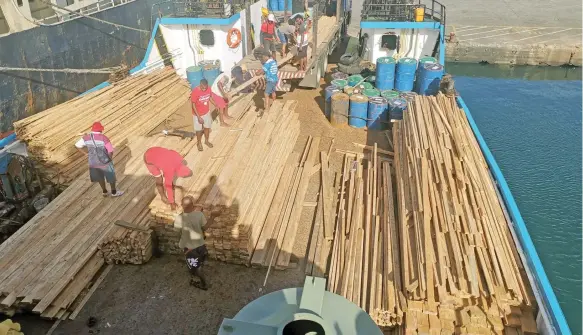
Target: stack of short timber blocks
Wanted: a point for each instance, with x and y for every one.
(236, 181)
(461, 272)
(134, 106)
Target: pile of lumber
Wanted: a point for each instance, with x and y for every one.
(365, 259)
(50, 261)
(275, 243)
(236, 180)
(132, 107)
(129, 244)
(460, 269)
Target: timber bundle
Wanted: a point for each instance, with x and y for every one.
(237, 180)
(132, 107)
(129, 243)
(365, 254)
(460, 270)
(50, 261)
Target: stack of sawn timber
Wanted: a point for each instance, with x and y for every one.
(237, 179)
(133, 242)
(49, 262)
(275, 243)
(365, 259)
(132, 107)
(461, 272)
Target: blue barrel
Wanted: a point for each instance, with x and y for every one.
(422, 62)
(210, 72)
(281, 4)
(430, 77)
(405, 75)
(385, 73)
(396, 108)
(377, 113)
(328, 92)
(289, 5)
(358, 111)
(273, 5)
(194, 75)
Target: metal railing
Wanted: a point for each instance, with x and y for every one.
(382, 10)
(205, 8)
(87, 10)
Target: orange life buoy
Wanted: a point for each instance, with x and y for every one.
(234, 32)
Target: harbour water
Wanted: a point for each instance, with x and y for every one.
(531, 120)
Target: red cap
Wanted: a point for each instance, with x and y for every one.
(97, 127)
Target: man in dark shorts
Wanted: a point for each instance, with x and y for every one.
(269, 36)
(166, 166)
(192, 222)
(99, 152)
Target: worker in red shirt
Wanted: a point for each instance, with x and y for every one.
(201, 97)
(269, 35)
(166, 165)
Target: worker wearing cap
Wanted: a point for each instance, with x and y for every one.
(99, 151)
(269, 36)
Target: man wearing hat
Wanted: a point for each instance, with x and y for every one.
(99, 151)
(269, 37)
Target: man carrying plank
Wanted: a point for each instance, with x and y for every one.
(166, 166)
(192, 222)
(201, 97)
(99, 151)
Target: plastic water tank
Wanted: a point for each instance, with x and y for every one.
(194, 75)
(405, 74)
(385, 73)
(358, 111)
(377, 113)
(307, 310)
(430, 76)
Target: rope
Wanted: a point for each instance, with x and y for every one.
(104, 70)
(117, 25)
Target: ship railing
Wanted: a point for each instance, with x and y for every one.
(204, 8)
(391, 11)
(87, 10)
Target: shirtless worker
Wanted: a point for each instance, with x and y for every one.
(192, 223)
(166, 166)
(219, 91)
(201, 97)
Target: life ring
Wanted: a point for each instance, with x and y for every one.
(233, 43)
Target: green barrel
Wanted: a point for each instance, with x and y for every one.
(371, 92)
(389, 94)
(339, 82)
(366, 85)
(354, 79)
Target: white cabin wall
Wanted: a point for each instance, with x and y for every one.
(184, 39)
(417, 43)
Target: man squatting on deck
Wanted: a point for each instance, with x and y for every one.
(166, 166)
(192, 223)
(270, 70)
(99, 151)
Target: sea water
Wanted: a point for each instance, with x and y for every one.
(531, 120)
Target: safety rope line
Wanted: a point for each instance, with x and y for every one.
(117, 25)
(103, 70)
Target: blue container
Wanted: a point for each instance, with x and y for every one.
(289, 5)
(194, 75)
(430, 77)
(273, 5)
(377, 113)
(405, 75)
(358, 111)
(328, 92)
(396, 108)
(210, 72)
(385, 73)
(281, 4)
(420, 64)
